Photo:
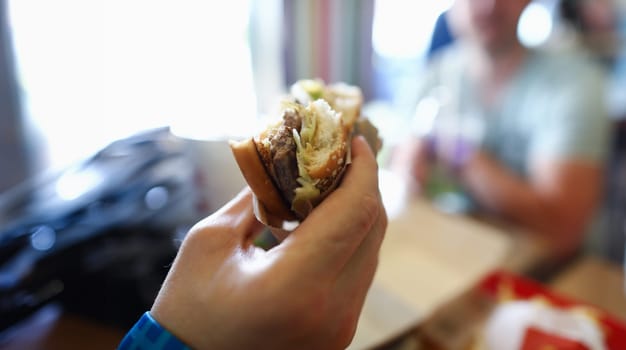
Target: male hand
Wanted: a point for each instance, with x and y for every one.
(306, 293)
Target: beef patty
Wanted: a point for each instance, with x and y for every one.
(283, 155)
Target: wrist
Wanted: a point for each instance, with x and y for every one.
(147, 333)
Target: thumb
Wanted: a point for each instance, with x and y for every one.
(328, 238)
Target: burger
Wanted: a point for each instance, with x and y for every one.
(294, 163)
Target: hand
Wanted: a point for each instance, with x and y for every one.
(306, 293)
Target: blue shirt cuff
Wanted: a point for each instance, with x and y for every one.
(147, 333)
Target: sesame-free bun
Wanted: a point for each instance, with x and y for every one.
(247, 158)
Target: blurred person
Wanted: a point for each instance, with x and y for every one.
(523, 133)
(222, 292)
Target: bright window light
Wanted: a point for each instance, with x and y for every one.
(535, 25)
(402, 29)
(93, 71)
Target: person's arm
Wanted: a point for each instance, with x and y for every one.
(306, 293)
(557, 199)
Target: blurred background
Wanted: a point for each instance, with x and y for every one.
(122, 96)
(77, 75)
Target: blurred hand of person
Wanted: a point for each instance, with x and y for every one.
(222, 292)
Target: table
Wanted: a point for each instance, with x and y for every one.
(52, 329)
(596, 281)
(590, 279)
(427, 259)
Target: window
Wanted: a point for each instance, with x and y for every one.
(401, 35)
(93, 71)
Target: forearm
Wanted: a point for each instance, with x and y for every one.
(559, 209)
(503, 192)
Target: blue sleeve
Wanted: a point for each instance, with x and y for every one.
(147, 333)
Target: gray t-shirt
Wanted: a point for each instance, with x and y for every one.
(553, 109)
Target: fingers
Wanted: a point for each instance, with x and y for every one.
(328, 238)
(356, 277)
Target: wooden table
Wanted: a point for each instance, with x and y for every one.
(52, 329)
(589, 280)
(596, 281)
(428, 258)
